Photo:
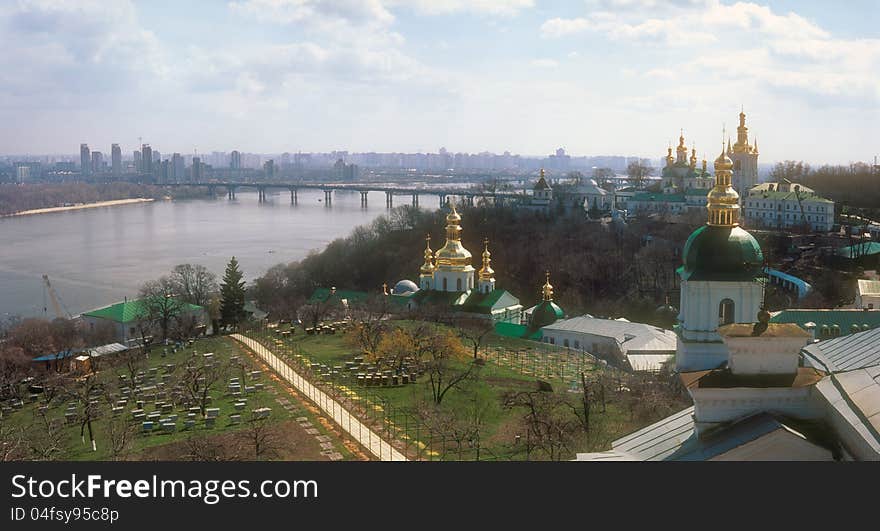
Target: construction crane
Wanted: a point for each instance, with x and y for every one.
(56, 301)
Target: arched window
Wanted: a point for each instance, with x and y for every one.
(458, 284)
(725, 312)
(444, 284)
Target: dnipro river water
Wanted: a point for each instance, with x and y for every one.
(98, 256)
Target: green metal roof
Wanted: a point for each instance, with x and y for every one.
(483, 302)
(518, 331)
(721, 253)
(128, 311)
(659, 197)
(546, 313)
(845, 319)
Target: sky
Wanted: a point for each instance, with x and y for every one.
(596, 77)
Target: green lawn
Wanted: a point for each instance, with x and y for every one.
(223, 348)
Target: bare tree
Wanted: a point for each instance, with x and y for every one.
(44, 438)
(199, 378)
(161, 305)
(85, 392)
(551, 421)
(638, 173)
(474, 331)
(442, 357)
(262, 438)
(120, 436)
(14, 366)
(193, 283)
(204, 448)
(370, 323)
(11, 442)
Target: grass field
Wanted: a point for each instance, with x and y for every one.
(480, 397)
(292, 442)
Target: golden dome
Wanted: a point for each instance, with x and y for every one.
(428, 267)
(722, 200)
(453, 254)
(547, 289)
(723, 162)
(486, 272)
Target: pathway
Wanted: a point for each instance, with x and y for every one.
(348, 422)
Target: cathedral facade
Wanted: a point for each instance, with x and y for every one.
(448, 278)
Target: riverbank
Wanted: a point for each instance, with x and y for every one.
(114, 202)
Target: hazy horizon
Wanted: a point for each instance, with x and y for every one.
(596, 77)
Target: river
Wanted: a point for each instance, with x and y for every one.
(98, 256)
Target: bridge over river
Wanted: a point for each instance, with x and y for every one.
(468, 194)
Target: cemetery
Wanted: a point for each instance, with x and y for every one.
(151, 405)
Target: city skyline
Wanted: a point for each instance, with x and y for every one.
(605, 77)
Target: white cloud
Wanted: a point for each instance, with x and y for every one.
(442, 7)
(781, 51)
(316, 13)
(63, 53)
(544, 63)
(561, 27)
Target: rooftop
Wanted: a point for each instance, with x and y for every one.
(128, 311)
(842, 318)
(854, 351)
(674, 439)
(725, 379)
(773, 330)
(632, 336)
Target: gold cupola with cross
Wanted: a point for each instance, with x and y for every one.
(486, 274)
(723, 201)
(454, 271)
(426, 272)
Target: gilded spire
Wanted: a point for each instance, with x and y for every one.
(669, 158)
(547, 290)
(723, 201)
(694, 157)
(742, 135)
(704, 163)
(428, 266)
(681, 150)
(453, 254)
(486, 272)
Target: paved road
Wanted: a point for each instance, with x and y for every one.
(348, 422)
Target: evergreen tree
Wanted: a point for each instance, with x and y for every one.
(232, 295)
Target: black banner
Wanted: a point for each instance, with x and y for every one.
(394, 495)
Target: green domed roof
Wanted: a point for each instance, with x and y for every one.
(545, 314)
(721, 253)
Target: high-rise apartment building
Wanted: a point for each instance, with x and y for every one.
(146, 159)
(269, 168)
(196, 170)
(97, 162)
(235, 160)
(116, 160)
(178, 170)
(85, 160)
